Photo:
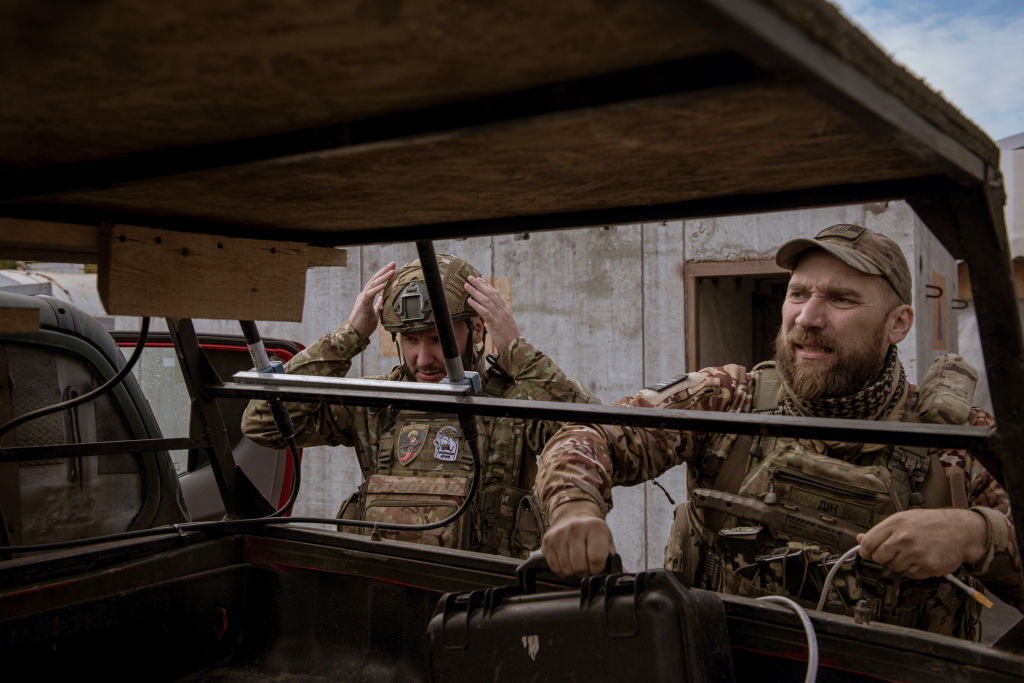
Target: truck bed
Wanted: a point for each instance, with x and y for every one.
(294, 604)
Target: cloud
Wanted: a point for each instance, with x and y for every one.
(970, 55)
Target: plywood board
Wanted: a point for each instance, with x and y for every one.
(151, 272)
(676, 149)
(114, 78)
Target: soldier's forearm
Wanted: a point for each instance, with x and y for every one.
(574, 509)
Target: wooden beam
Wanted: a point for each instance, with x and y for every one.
(326, 256)
(733, 268)
(19, 320)
(27, 240)
(164, 273)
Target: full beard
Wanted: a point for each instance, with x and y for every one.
(853, 364)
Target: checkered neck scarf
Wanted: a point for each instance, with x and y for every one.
(875, 401)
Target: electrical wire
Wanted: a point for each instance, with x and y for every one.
(812, 638)
(848, 555)
(88, 396)
(269, 520)
(976, 594)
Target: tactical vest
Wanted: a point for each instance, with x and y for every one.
(719, 552)
(418, 467)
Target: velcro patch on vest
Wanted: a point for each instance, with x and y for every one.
(446, 444)
(410, 440)
(665, 384)
(668, 390)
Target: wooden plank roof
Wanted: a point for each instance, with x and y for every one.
(346, 122)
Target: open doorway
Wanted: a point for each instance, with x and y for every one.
(733, 311)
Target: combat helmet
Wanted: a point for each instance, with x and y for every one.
(406, 304)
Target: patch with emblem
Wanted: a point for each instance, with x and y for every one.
(410, 440)
(446, 444)
(665, 384)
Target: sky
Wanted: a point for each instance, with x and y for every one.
(970, 52)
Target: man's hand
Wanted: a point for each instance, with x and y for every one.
(924, 543)
(363, 317)
(579, 540)
(494, 310)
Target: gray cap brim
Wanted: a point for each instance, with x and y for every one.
(789, 255)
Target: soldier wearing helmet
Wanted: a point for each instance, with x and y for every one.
(417, 466)
(771, 515)
(406, 313)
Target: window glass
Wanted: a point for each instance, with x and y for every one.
(162, 384)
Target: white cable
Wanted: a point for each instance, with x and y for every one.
(812, 639)
(975, 594)
(832, 574)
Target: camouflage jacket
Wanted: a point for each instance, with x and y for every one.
(583, 462)
(509, 447)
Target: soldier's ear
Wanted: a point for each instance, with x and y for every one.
(898, 325)
(478, 330)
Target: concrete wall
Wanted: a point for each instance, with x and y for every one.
(608, 305)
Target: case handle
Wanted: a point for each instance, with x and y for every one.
(527, 571)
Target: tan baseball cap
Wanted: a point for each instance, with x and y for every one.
(862, 249)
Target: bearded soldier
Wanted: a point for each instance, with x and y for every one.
(772, 515)
(417, 466)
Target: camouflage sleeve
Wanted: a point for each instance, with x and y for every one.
(316, 424)
(583, 462)
(537, 376)
(1000, 569)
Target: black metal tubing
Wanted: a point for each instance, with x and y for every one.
(910, 434)
(452, 358)
(78, 450)
(689, 74)
(240, 496)
(442, 316)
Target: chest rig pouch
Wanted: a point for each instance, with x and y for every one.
(420, 472)
(422, 475)
(753, 556)
(508, 518)
(745, 556)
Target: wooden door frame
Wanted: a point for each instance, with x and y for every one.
(692, 271)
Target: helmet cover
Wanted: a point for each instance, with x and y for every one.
(406, 303)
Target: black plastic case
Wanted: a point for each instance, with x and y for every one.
(645, 626)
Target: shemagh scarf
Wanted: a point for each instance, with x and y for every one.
(878, 399)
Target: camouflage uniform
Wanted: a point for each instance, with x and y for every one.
(583, 462)
(414, 465)
(855, 484)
